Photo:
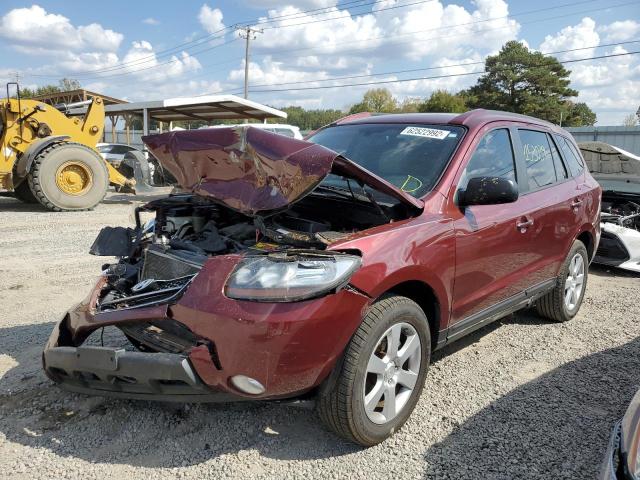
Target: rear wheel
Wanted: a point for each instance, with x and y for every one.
(376, 387)
(563, 302)
(68, 176)
(23, 193)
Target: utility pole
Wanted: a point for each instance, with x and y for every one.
(248, 33)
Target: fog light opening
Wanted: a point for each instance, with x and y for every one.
(247, 384)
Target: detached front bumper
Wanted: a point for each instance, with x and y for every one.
(119, 373)
(286, 348)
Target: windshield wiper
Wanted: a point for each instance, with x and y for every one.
(341, 191)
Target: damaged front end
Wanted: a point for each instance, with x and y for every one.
(211, 295)
(618, 173)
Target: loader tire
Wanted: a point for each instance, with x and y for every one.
(23, 193)
(68, 176)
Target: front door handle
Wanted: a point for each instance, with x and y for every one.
(523, 225)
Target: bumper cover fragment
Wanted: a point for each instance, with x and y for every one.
(136, 375)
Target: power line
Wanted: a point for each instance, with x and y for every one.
(466, 64)
(385, 36)
(394, 7)
(451, 75)
(92, 74)
(280, 52)
(449, 27)
(216, 35)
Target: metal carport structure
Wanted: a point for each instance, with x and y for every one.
(208, 108)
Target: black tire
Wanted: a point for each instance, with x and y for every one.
(552, 306)
(42, 177)
(341, 399)
(23, 193)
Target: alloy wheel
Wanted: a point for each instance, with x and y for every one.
(574, 283)
(392, 373)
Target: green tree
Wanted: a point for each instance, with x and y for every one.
(630, 120)
(376, 100)
(64, 85)
(519, 80)
(309, 119)
(68, 84)
(578, 115)
(443, 101)
(410, 105)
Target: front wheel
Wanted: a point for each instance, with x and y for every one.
(563, 302)
(68, 176)
(376, 387)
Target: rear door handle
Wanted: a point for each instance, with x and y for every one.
(576, 203)
(522, 226)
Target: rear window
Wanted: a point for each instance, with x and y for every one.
(411, 157)
(536, 152)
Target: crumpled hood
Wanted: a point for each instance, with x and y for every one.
(254, 171)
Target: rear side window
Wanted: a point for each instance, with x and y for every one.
(571, 156)
(538, 158)
(561, 170)
(493, 158)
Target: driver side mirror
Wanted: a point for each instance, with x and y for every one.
(488, 191)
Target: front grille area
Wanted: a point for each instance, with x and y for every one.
(162, 265)
(611, 250)
(161, 336)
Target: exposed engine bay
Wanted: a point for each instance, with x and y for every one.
(159, 259)
(619, 210)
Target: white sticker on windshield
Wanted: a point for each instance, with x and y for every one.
(425, 132)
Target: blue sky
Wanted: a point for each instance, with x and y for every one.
(120, 48)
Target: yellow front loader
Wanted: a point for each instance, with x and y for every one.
(49, 157)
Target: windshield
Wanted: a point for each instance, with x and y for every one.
(411, 157)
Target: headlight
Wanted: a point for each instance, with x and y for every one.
(289, 278)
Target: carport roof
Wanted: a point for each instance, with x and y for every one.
(205, 108)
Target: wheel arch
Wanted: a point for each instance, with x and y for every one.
(25, 162)
(425, 296)
(587, 238)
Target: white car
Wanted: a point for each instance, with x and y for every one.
(618, 173)
(281, 128)
(114, 152)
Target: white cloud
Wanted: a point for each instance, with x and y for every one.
(302, 4)
(210, 18)
(141, 62)
(34, 28)
(577, 36)
(607, 85)
(620, 31)
(151, 21)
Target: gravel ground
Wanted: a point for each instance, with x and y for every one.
(522, 398)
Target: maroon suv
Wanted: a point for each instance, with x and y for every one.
(331, 267)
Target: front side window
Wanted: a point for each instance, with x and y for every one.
(538, 158)
(493, 157)
(411, 157)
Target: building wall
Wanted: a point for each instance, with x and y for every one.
(627, 138)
